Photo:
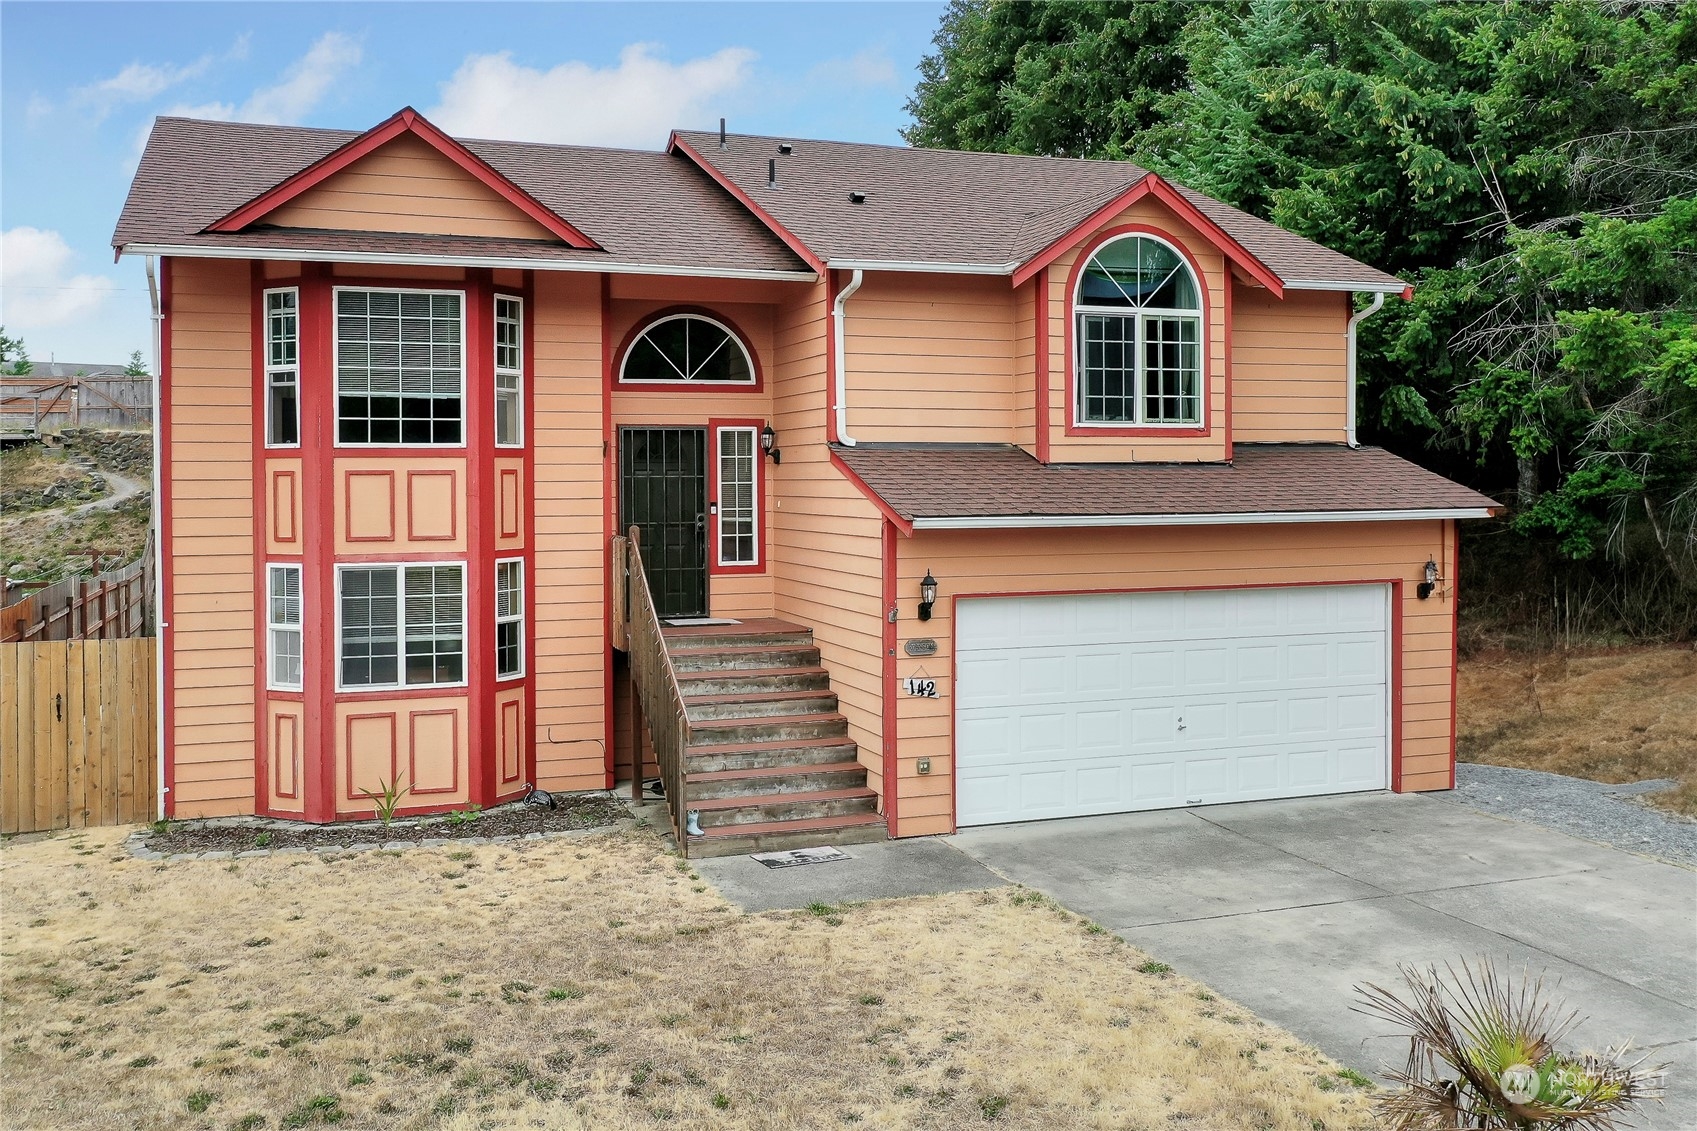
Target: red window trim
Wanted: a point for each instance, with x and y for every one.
(1070, 335)
(714, 568)
(616, 365)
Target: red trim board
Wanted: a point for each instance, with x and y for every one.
(676, 144)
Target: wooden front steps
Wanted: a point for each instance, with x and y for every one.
(770, 764)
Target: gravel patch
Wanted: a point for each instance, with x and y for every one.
(1595, 811)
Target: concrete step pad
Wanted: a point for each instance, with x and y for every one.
(775, 836)
(766, 781)
(715, 681)
(743, 658)
(782, 752)
(770, 728)
(767, 808)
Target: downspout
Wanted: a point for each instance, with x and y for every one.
(1349, 352)
(160, 625)
(841, 353)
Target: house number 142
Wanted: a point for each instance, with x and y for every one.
(924, 688)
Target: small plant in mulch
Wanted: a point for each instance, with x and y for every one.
(1483, 1054)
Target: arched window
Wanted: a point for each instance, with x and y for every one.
(687, 349)
(1138, 321)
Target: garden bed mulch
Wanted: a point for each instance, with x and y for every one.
(261, 834)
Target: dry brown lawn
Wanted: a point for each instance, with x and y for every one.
(593, 982)
(1619, 715)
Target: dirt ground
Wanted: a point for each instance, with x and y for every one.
(44, 539)
(595, 982)
(1616, 715)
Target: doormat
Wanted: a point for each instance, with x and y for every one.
(691, 622)
(796, 857)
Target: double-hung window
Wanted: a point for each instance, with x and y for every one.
(402, 626)
(400, 367)
(509, 371)
(509, 619)
(283, 621)
(282, 369)
(739, 496)
(1138, 325)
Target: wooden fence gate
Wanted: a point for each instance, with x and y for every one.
(77, 734)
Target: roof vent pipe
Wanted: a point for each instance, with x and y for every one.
(1349, 361)
(839, 353)
(772, 172)
(785, 148)
(857, 198)
(722, 144)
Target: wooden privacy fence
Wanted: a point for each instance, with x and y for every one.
(103, 399)
(77, 734)
(107, 606)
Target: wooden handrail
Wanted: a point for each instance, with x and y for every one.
(655, 684)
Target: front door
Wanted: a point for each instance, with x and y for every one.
(663, 491)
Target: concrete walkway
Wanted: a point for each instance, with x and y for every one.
(1286, 905)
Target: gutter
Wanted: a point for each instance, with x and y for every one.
(1349, 361)
(515, 263)
(160, 624)
(930, 267)
(841, 352)
(1044, 521)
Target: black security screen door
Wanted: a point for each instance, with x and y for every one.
(663, 490)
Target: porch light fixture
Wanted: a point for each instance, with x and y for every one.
(927, 595)
(1424, 589)
(769, 443)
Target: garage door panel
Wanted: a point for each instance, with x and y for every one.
(1251, 693)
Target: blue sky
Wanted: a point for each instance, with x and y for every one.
(80, 82)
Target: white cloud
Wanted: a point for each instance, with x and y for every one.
(632, 104)
(871, 67)
(140, 82)
(37, 288)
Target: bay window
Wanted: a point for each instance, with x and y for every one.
(400, 367)
(509, 619)
(509, 371)
(283, 623)
(282, 369)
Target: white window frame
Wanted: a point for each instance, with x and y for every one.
(685, 382)
(755, 469)
(401, 627)
(517, 618)
(1139, 315)
(514, 374)
(272, 369)
(274, 626)
(336, 367)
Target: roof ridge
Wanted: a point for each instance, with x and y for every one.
(913, 148)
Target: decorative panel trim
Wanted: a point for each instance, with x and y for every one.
(417, 516)
(348, 527)
(453, 785)
(512, 739)
(511, 495)
(284, 497)
(285, 753)
(351, 790)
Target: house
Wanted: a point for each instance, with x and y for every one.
(1030, 486)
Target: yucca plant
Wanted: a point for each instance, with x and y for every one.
(386, 798)
(1482, 1054)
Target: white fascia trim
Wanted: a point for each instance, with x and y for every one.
(1376, 288)
(924, 267)
(306, 255)
(1025, 521)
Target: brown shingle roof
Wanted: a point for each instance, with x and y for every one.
(949, 206)
(996, 482)
(642, 208)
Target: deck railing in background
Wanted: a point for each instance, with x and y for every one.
(113, 605)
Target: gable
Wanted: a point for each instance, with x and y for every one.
(406, 185)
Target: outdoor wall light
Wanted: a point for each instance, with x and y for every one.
(1424, 589)
(927, 595)
(769, 443)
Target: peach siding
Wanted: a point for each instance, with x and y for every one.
(930, 358)
(569, 614)
(1289, 366)
(826, 543)
(407, 186)
(1025, 366)
(405, 506)
(211, 634)
(986, 563)
(424, 740)
(1085, 448)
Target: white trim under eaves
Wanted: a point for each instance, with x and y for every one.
(1039, 521)
(1392, 288)
(313, 255)
(923, 266)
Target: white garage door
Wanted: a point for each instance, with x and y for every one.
(1113, 702)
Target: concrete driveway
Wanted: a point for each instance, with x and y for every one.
(1286, 905)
